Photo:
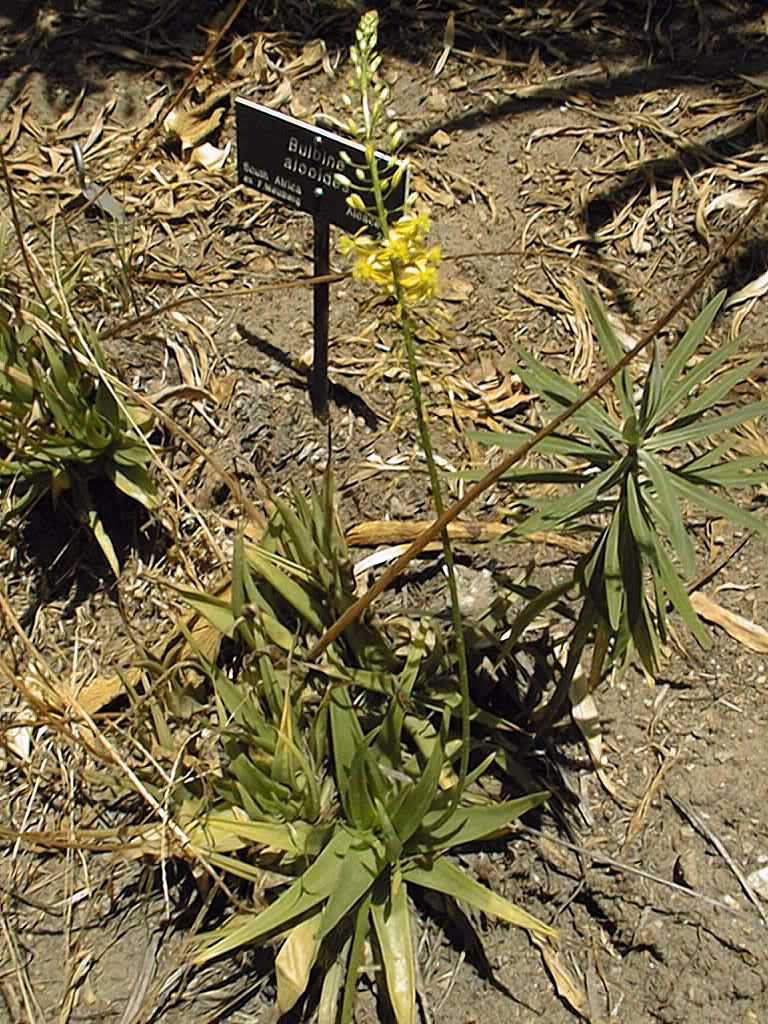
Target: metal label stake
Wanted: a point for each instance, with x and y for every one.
(318, 380)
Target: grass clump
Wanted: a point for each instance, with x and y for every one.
(63, 426)
(335, 781)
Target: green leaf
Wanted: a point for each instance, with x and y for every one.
(213, 609)
(392, 921)
(306, 893)
(392, 727)
(693, 337)
(739, 472)
(641, 525)
(717, 390)
(445, 877)
(362, 809)
(683, 391)
(592, 418)
(671, 517)
(362, 864)
(410, 814)
(564, 510)
(652, 391)
(614, 590)
(103, 539)
(612, 350)
(356, 949)
(341, 973)
(705, 428)
(136, 483)
(678, 595)
(715, 505)
(305, 551)
(555, 444)
(294, 593)
(291, 838)
(532, 607)
(471, 824)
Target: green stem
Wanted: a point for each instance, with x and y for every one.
(406, 328)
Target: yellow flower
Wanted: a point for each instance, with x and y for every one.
(402, 251)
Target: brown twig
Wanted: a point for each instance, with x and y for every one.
(473, 493)
(19, 232)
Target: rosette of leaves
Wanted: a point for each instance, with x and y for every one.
(334, 785)
(61, 425)
(667, 449)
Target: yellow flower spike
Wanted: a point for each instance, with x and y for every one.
(404, 248)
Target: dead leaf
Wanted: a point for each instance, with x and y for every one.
(283, 94)
(190, 128)
(449, 38)
(568, 987)
(753, 290)
(586, 716)
(391, 531)
(752, 636)
(210, 157)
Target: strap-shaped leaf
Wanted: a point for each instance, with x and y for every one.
(304, 552)
(718, 389)
(392, 921)
(690, 341)
(711, 457)
(265, 791)
(572, 506)
(359, 802)
(527, 476)
(291, 838)
(471, 824)
(678, 595)
(410, 813)
(740, 472)
(213, 609)
(307, 892)
(445, 877)
(652, 391)
(716, 505)
(591, 418)
(346, 738)
(705, 427)
(555, 444)
(293, 592)
(390, 745)
(363, 863)
(354, 960)
(671, 517)
(136, 483)
(614, 589)
(103, 539)
(295, 961)
(612, 350)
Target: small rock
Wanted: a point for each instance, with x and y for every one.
(686, 870)
(437, 101)
(759, 882)
(440, 140)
